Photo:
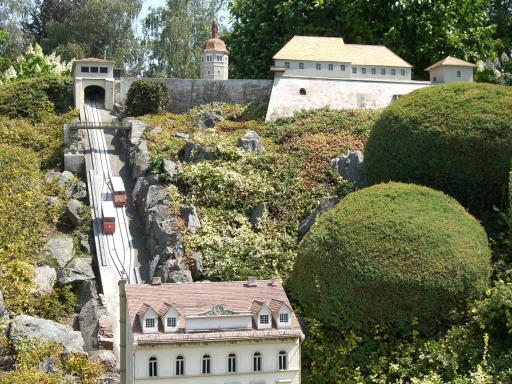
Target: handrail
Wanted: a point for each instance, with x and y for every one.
(102, 125)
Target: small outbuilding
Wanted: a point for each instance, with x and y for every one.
(93, 79)
(451, 70)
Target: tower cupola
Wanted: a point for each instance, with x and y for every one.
(215, 56)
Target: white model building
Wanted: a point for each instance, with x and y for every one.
(93, 77)
(450, 70)
(214, 59)
(209, 333)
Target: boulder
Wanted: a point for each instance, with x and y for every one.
(62, 179)
(155, 131)
(74, 210)
(88, 322)
(44, 279)
(181, 135)
(119, 110)
(85, 243)
(61, 249)
(107, 358)
(170, 170)
(349, 166)
(4, 313)
(209, 120)
(51, 201)
(48, 365)
(258, 212)
(141, 197)
(325, 204)
(77, 270)
(196, 153)
(139, 159)
(189, 214)
(197, 266)
(86, 292)
(173, 275)
(251, 142)
(77, 190)
(25, 327)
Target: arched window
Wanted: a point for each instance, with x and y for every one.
(179, 366)
(205, 365)
(302, 91)
(153, 367)
(232, 363)
(256, 362)
(282, 360)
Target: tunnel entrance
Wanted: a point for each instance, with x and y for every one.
(96, 94)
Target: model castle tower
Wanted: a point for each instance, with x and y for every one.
(214, 59)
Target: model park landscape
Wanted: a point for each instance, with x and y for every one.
(271, 200)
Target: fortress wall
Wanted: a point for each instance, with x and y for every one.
(186, 93)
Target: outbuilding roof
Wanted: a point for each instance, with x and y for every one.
(451, 61)
(193, 299)
(94, 60)
(334, 49)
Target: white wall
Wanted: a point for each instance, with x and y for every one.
(336, 73)
(193, 352)
(448, 74)
(79, 85)
(336, 94)
(96, 75)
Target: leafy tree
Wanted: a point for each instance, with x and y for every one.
(421, 32)
(4, 61)
(501, 15)
(175, 36)
(498, 71)
(42, 13)
(13, 14)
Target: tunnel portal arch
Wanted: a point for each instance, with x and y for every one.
(95, 93)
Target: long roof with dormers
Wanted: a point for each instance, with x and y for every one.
(334, 49)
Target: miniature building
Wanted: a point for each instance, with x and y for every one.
(214, 59)
(93, 79)
(450, 70)
(331, 58)
(212, 332)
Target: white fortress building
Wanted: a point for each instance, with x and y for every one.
(316, 72)
(215, 56)
(209, 333)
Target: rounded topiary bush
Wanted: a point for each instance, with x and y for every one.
(147, 96)
(452, 137)
(389, 254)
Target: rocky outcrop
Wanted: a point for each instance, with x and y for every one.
(197, 266)
(170, 273)
(325, 204)
(139, 159)
(349, 166)
(209, 120)
(170, 170)
(60, 249)
(85, 243)
(107, 358)
(25, 327)
(251, 142)
(196, 153)
(77, 190)
(61, 179)
(119, 110)
(182, 135)
(189, 215)
(44, 279)
(258, 212)
(74, 208)
(86, 292)
(76, 271)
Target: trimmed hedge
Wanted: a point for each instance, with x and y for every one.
(389, 254)
(147, 97)
(453, 137)
(36, 98)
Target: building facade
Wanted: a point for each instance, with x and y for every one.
(212, 333)
(451, 70)
(93, 76)
(215, 57)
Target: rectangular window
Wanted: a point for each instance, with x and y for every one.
(374, 71)
(363, 71)
(171, 322)
(382, 71)
(219, 57)
(256, 367)
(150, 323)
(282, 361)
(393, 72)
(458, 73)
(206, 366)
(179, 366)
(208, 57)
(318, 67)
(354, 70)
(287, 64)
(330, 67)
(283, 317)
(209, 72)
(402, 72)
(264, 319)
(85, 69)
(342, 67)
(103, 70)
(301, 65)
(94, 69)
(232, 363)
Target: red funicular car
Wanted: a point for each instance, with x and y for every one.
(118, 191)
(108, 219)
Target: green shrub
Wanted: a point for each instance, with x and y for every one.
(146, 96)
(389, 254)
(36, 99)
(453, 137)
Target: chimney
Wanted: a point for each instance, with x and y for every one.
(273, 282)
(215, 29)
(156, 280)
(251, 281)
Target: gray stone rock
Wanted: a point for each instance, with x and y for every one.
(77, 190)
(74, 162)
(181, 135)
(175, 275)
(48, 365)
(87, 291)
(61, 249)
(157, 194)
(25, 327)
(88, 319)
(209, 120)
(349, 166)
(74, 209)
(139, 159)
(85, 243)
(325, 204)
(189, 214)
(119, 109)
(4, 313)
(44, 279)
(51, 201)
(77, 270)
(61, 179)
(107, 358)
(196, 153)
(258, 212)
(138, 128)
(170, 170)
(251, 142)
(141, 198)
(197, 267)
(155, 131)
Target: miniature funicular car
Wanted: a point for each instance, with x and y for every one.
(108, 216)
(118, 191)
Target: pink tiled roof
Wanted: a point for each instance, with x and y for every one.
(197, 298)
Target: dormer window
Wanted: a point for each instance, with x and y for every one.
(150, 322)
(264, 319)
(283, 318)
(170, 319)
(148, 319)
(171, 322)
